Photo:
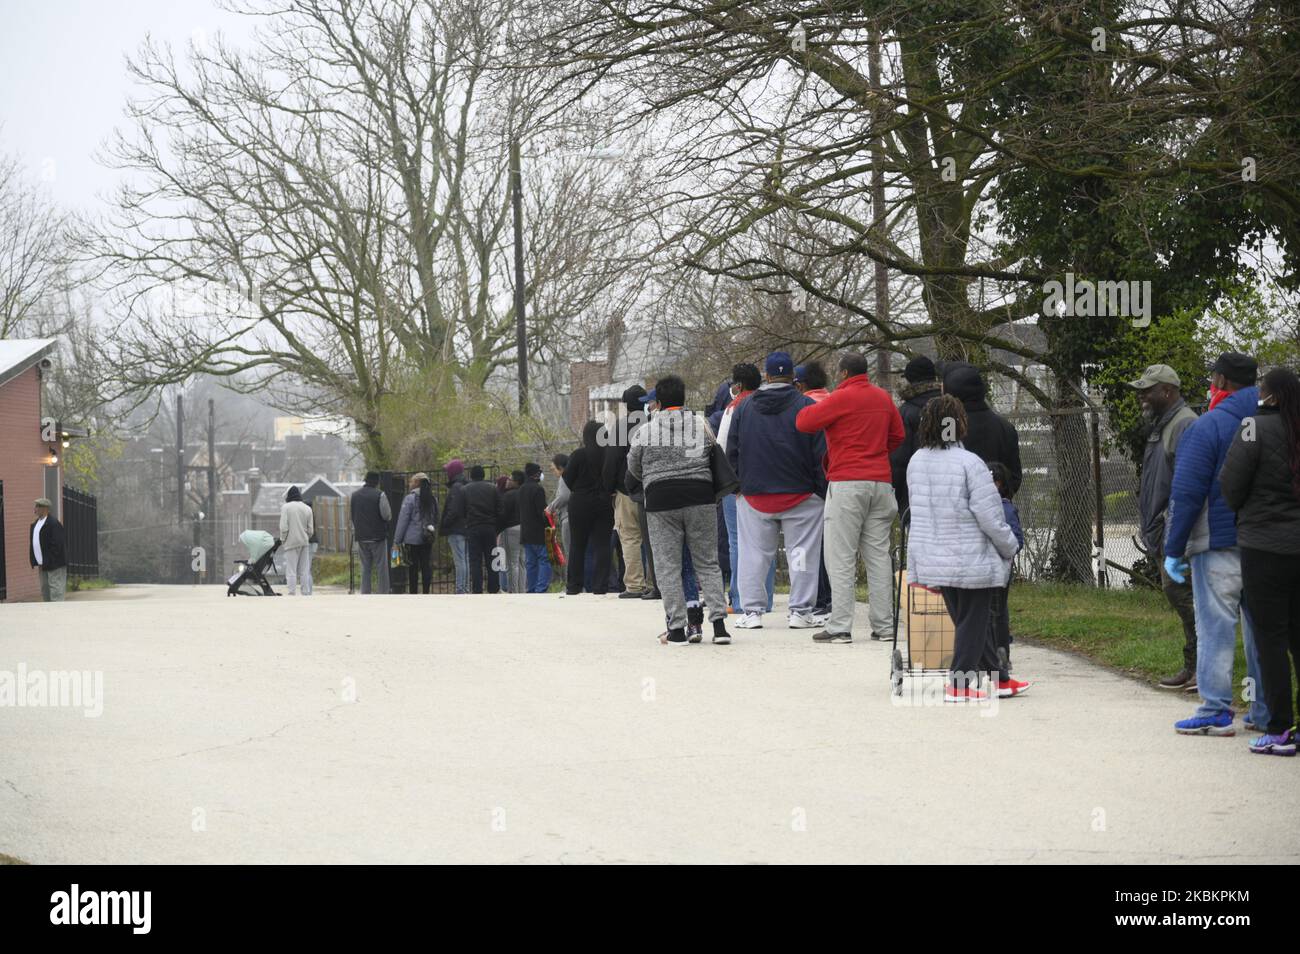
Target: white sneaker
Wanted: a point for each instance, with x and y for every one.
(802, 620)
(750, 621)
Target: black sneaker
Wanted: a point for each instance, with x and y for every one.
(1179, 680)
(631, 595)
(675, 637)
(823, 636)
(720, 635)
(695, 623)
(652, 594)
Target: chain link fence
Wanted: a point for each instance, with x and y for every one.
(1078, 502)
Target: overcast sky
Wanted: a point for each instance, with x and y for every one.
(65, 79)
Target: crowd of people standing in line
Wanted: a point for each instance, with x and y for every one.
(828, 471)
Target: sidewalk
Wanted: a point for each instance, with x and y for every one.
(545, 729)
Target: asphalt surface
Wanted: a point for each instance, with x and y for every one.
(545, 729)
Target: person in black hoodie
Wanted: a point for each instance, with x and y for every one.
(1260, 480)
(922, 385)
(989, 435)
(591, 511)
(483, 515)
(638, 575)
(453, 522)
(532, 530)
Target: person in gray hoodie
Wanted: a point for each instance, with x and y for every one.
(670, 456)
(296, 528)
(961, 544)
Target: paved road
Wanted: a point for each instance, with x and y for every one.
(548, 729)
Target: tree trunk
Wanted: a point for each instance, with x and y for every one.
(1071, 560)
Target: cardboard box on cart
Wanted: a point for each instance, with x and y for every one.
(930, 633)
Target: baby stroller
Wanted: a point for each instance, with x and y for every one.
(251, 578)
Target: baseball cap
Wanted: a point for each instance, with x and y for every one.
(648, 397)
(779, 364)
(1156, 374)
(43, 502)
(1237, 367)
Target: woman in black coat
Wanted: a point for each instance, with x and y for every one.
(591, 511)
(1260, 480)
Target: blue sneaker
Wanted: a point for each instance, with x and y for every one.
(1281, 744)
(1219, 724)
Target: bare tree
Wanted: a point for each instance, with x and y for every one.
(328, 213)
(32, 249)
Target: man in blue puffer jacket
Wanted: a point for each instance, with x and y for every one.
(1201, 529)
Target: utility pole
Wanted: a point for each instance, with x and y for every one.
(521, 332)
(214, 550)
(180, 459)
(878, 209)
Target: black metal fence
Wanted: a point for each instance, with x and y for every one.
(81, 526)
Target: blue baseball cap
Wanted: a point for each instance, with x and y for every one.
(648, 397)
(779, 364)
(800, 372)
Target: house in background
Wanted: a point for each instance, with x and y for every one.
(257, 505)
(31, 452)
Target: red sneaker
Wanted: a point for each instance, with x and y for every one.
(1011, 687)
(954, 694)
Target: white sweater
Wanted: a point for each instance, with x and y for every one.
(958, 536)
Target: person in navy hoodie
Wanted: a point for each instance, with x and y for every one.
(1201, 533)
(782, 489)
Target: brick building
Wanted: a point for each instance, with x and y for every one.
(30, 466)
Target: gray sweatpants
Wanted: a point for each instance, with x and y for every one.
(757, 532)
(859, 515)
(698, 526)
(374, 553)
(54, 584)
(514, 560)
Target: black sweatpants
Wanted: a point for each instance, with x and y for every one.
(1179, 596)
(1002, 626)
(1271, 583)
(482, 542)
(591, 524)
(419, 566)
(974, 649)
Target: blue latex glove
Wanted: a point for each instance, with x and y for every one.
(1176, 567)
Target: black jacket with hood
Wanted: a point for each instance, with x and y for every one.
(615, 467)
(453, 508)
(484, 505)
(916, 395)
(1256, 484)
(532, 512)
(989, 435)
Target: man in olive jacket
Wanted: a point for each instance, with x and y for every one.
(1162, 403)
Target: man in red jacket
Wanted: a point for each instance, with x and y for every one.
(862, 426)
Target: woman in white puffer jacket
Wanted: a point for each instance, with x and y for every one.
(959, 543)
